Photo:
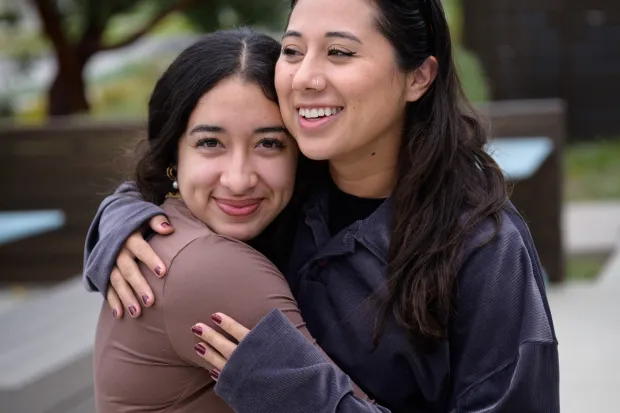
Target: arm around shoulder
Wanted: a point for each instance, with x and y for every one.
(214, 274)
(117, 217)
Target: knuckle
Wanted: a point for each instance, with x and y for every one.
(121, 261)
(116, 280)
(136, 245)
(128, 270)
(142, 251)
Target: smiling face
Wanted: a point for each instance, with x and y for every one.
(236, 163)
(341, 92)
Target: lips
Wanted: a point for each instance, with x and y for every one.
(238, 207)
(318, 123)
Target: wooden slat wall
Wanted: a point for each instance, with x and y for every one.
(60, 166)
(552, 48)
(73, 167)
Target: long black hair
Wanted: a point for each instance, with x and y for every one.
(444, 175)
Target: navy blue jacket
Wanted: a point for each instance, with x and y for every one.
(500, 355)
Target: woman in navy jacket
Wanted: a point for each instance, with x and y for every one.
(411, 268)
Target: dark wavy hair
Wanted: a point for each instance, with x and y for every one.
(244, 53)
(240, 52)
(446, 184)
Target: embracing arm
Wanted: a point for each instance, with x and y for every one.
(118, 216)
(502, 347)
(214, 274)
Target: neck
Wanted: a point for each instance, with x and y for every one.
(368, 173)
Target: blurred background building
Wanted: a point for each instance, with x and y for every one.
(75, 76)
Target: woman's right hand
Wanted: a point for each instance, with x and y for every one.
(126, 280)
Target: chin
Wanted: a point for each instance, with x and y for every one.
(240, 232)
(316, 150)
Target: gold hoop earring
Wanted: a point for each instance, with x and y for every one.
(171, 174)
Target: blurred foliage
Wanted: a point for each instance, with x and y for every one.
(76, 30)
(472, 75)
(593, 170)
(125, 92)
(267, 14)
(584, 267)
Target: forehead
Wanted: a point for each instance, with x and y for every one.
(326, 15)
(235, 105)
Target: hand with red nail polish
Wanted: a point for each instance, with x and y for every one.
(222, 346)
(126, 281)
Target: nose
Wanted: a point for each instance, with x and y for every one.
(239, 175)
(309, 75)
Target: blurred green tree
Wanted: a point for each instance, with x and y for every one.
(78, 29)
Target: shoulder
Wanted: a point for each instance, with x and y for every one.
(214, 252)
(501, 277)
(187, 228)
(215, 268)
(217, 274)
(492, 238)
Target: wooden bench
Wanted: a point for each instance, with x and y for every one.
(537, 196)
(46, 349)
(64, 166)
(16, 225)
(520, 158)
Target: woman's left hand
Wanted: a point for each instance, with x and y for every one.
(217, 349)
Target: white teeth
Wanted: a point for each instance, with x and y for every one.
(318, 112)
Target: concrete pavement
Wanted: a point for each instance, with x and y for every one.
(587, 315)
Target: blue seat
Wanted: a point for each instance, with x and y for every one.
(15, 225)
(520, 158)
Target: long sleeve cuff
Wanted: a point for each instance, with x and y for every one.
(276, 369)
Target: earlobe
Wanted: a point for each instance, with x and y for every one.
(421, 79)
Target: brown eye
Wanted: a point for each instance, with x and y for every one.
(340, 52)
(287, 51)
(271, 143)
(208, 143)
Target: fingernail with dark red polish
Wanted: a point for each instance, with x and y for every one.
(132, 310)
(115, 313)
(200, 349)
(216, 318)
(215, 374)
(165, 224)
(158, 271)
(145, 299)
(197, 330)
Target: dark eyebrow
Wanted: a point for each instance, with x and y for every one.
(291, 33)
(206, 128)
(343, 35)
(218, 129)
(271, 129)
